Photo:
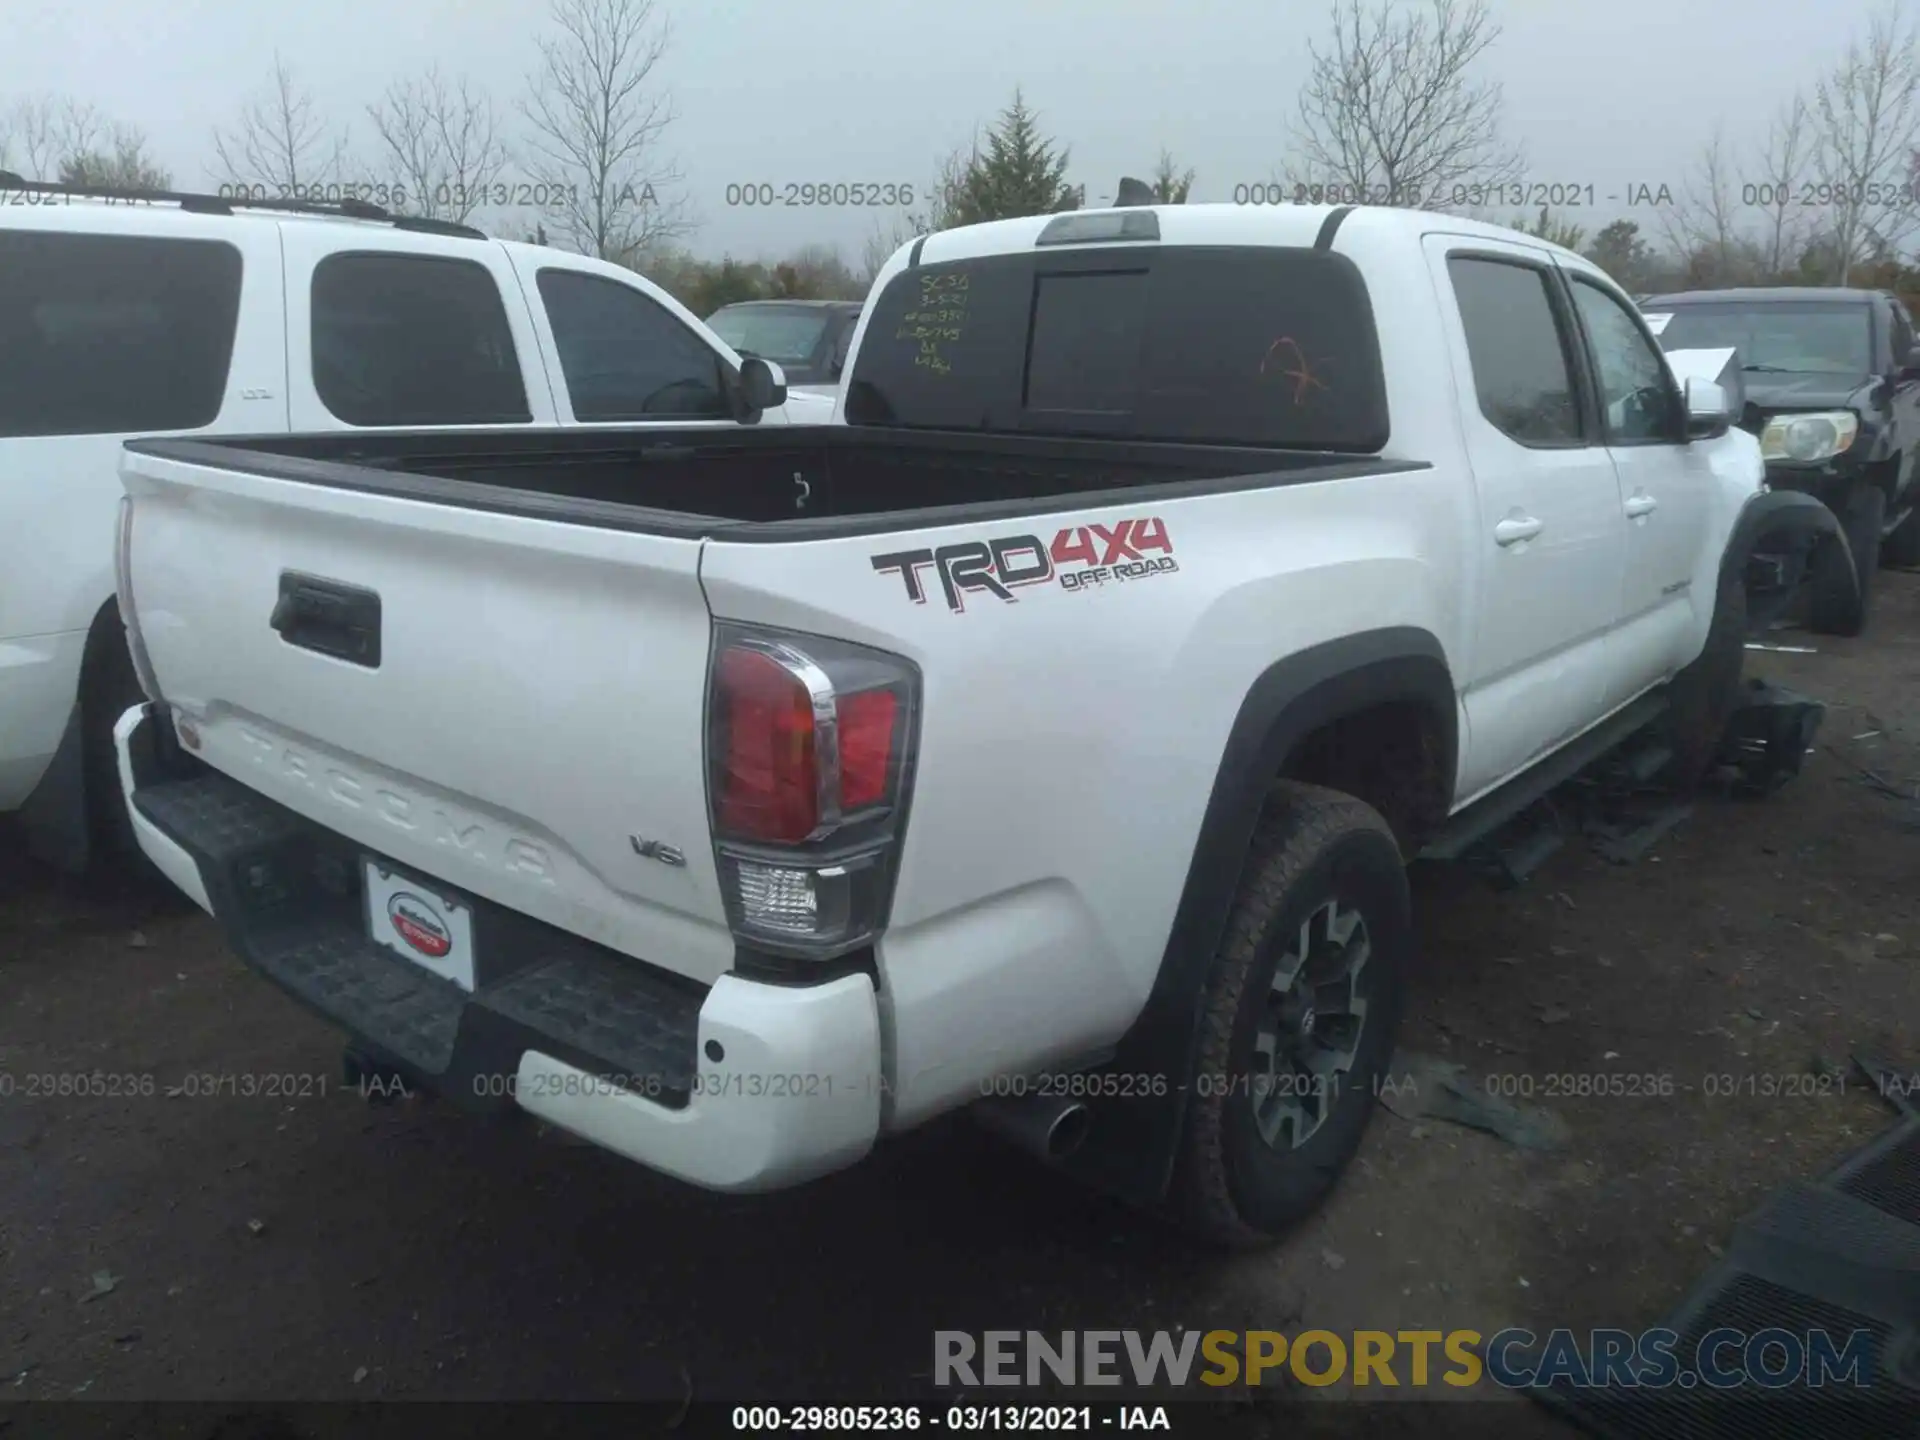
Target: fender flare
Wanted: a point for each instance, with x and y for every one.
(1134, 1139)
(1776, 510)
(1799, 526)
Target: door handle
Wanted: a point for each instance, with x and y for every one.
(328, 618)
(1515, 528)
(1640, 504)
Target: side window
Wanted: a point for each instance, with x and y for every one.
(113, 334)
(1636, 389)
(626, 358)
(413, 340)
(1519, 357)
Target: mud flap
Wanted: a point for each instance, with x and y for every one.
(54, 817)
(1768, 738)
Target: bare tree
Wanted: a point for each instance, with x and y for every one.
(936, 209)
(44, 132)
(443, 144)
(1782, 164)
(281, 140)
(1703, 223)
(1392, 113)
(120, 163)
(598, 117)
(1171, 185)
(1551, 228)
(879, 248)
(1866, 117)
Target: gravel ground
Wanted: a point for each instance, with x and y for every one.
(306, 1245)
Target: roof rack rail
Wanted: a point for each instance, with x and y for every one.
(200, 204)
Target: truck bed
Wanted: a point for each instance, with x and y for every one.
(788, 482)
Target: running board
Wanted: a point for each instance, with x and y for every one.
(1490, 812)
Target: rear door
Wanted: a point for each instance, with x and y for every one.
(1666, 490)
(392, 328)
(1552, 536)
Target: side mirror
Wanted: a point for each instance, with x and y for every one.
(1908, 368)
(763, 385)
(1708, 414)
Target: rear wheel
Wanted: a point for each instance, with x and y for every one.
(1842, 584)
(1301, 1006)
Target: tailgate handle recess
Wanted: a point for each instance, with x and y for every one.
(329, 618)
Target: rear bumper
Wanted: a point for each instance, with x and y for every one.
(739, 1087)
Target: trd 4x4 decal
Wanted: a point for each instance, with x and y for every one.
(1081, 557)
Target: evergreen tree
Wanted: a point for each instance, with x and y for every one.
(1020, 172)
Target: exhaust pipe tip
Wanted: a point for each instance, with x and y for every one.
(1050, 1128)
(1068, 1131)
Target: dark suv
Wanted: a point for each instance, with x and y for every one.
(1832, 384)
(808, 339)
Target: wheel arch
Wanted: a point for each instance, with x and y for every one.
(1131, 1146)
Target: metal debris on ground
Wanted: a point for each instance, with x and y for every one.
(1783, 649)
(1842, 1255)
(1874, 780)
(1425, 1087)
(1622, 844)
(1768, 739)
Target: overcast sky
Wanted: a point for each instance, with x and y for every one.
(1611, 93)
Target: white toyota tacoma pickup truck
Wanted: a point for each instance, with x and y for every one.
(1049, 737)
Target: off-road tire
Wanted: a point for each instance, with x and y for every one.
(1311, 845)
(1832, 609)
(1705, 694)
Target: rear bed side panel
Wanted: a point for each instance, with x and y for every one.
(538, 700)
(1071, 738)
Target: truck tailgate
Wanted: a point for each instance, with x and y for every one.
(529, 727)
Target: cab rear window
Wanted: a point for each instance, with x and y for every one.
(1210, 345)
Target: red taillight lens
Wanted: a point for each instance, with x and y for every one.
(769, 781)
(810, 762)
(866, 747)
(769, 785)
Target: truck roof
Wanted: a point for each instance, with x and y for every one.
(1766, 294)
(94, 208)
(1228, 224)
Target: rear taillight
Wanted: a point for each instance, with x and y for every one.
(810, 753)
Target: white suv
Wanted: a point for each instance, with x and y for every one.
(200, 315)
